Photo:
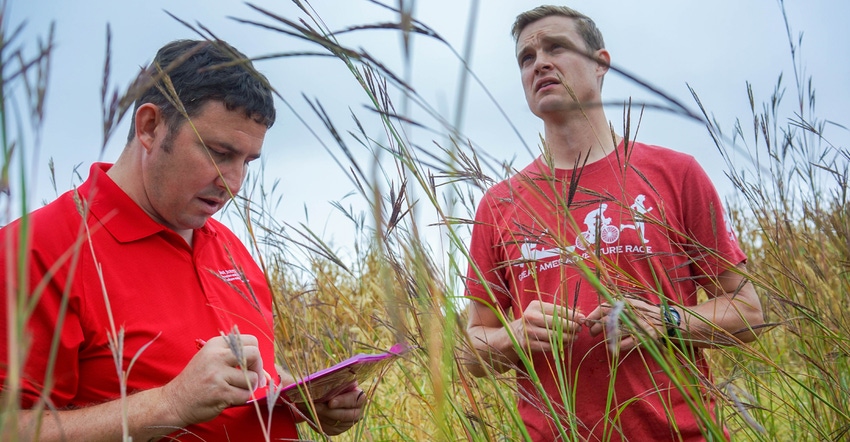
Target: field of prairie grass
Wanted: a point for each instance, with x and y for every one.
(789, 207)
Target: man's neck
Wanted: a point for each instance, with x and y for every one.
(576, 142)
(126, 173)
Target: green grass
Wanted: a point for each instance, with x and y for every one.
(793, 384)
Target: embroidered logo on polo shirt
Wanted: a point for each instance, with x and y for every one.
(230, 275)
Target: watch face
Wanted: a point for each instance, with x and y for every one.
(673, 320)
(676, 318)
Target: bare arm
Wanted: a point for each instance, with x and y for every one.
(540, 326)
(210, 383)
(732, 314)
(148, 415)
(734, 310)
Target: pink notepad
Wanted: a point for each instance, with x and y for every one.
(325, 384)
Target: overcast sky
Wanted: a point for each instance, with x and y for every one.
(715, 47)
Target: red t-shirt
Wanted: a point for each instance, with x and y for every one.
(163, 293)
(656, 222)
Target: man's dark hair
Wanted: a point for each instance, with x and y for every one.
(198, 71)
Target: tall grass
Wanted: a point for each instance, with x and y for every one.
(792, 205)
(23, 87)
(790, 208)
(791, 384)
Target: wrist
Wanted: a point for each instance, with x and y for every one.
(672, 319)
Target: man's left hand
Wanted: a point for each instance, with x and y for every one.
(647, 317)
(339, 413)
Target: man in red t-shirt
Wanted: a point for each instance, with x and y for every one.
(129, 273)
(594, 252)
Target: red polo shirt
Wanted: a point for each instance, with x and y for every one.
(163, 293)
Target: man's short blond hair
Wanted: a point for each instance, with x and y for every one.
(585, 26)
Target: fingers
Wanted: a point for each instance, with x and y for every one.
(341, 412)
(352, 399)
(544, 323)
(255, 369)
(241, 351)
(645, 322)
(224, 372)
(236, 361)
(596, 319)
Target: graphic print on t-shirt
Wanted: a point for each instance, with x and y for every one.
(599, 231)
(639, 210)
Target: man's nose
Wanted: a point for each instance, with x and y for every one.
(542, 63)
(230, 177)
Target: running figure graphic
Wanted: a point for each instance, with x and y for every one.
(638, 210)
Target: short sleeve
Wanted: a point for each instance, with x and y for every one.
(51, 316)
(486, 281)
(715, 246)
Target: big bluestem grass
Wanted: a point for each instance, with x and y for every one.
(23, 87)
(792, 203)
(792, 384)
(430, 396)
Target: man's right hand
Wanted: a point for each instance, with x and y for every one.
(542, 324)
(215, 379)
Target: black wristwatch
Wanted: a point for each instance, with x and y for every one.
(672, 319)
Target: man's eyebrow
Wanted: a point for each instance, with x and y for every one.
(232, 149)
(549, 39)
(522, 49)
(559, 38)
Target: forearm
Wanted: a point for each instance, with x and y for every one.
(494, 347)
(723, 320)
(149, 416)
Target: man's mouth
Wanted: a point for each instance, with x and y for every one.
(547, 82)
(212, 202)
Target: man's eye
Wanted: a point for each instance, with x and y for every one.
(217, 153)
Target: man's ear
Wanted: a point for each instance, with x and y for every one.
(149, 124)
(603, 59)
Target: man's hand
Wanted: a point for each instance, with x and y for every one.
(215, 379)
(339, 413)
(543, 324)
(336, 415)
(647, 317)
(730, 316)
(540, 325)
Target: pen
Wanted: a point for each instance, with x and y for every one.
(200, 343)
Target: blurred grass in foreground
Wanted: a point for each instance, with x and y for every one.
(790, 209)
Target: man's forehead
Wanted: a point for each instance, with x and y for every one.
(552, 24)
(547, 33)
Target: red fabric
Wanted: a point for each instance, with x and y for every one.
(161, 291)
(526, 245)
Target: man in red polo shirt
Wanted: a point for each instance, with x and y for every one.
(129, 270)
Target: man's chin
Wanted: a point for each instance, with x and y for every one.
(194, 223)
